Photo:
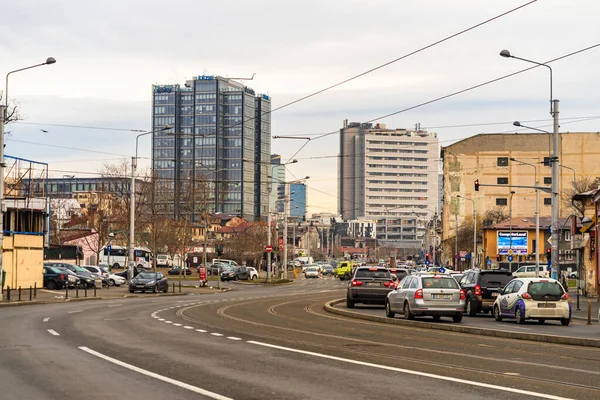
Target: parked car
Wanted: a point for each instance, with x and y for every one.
(54, 278)
(312, 272)
(74, 280)
(95, 273)
(235, 274)
(482, 287)
(529, 271)
(116, 280)
(177, 271)
(85, 277)
(253, 273)
(425, 294)
(149, 281)
(164, 260)
(123, 274)
(369, 285)
(533, 298)
(328, 270)
(216, 268)
(572, 275)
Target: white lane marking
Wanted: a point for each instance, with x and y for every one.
(115, 305)
(233, 338)
(180, 384)
(176, 324)
(188, 327)
(168, 322)
(410, 372)
(76, 311)
(53, 332)
(200, 330)
(161, 319)
(46, 319)
(216, 334)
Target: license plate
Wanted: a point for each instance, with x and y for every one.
(373, 284)
(441, 296)
(495, 294)
(546, 305)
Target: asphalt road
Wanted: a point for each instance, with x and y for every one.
(267, 342)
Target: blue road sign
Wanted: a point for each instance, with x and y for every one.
(489, 262)
(441, 270)
(468, 255)
(108, 248)
(427, 262)
(509, 258)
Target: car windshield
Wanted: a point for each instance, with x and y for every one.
(147, 275)
(497, 279)
(80, 269)
(312, 268)
(545, 289)
(439, 283)
(381, 273)
(159, 257)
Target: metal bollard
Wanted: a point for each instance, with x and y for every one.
(8, 293)
(34, 290)
(179, 286)
(30, 293)
(67, 292)
(589, 322)
(85, 291)
(94, 290)
(76, 292)
(173, 287)
(19, 293)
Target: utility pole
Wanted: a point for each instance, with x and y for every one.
(456, 244)
(555, 189)
(2, 206)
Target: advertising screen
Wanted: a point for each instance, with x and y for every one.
(519, 242)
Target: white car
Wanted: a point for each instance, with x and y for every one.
(529, 271)
(116, 280)
(533, 298)
(164, 260)
(253, 273)
(312, 272)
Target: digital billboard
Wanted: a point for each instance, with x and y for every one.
(519, 242)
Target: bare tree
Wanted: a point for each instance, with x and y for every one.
(494, 216)
(12, 111)
(579, 186)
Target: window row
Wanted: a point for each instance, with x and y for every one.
(503, 201)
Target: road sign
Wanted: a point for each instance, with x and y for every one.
(510, 258)
(427, 262)
(550, 240)
(489, 262)
(510, 252)
(441, 270)
(268, 249)
(108, 248)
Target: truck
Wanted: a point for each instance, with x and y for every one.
(344, 270)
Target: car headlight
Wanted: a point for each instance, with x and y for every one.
(151, 283)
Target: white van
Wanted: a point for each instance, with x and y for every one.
(229, 263)
(529, 271)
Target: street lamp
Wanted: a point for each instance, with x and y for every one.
(132, 201)
(537, 211)
(3, 118)
(512, 193)
(285, 222)
(520, 125)
(554, 162)
(474, 230)
(111, 236)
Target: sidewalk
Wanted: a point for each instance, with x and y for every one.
(583, 305)
(43, 296)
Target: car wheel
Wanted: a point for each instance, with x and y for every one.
(388, 310)
(457, 317)
(235, 278)
(116, 265)
(497, 315)
(155, 289)
(253, 277)
(130, 291)
(541, 320)
(341, 278)
(565, 321)
(519, 316)
(347, 277)
(166, 289)
(471, 311)
(349, 302)
(436, 317)
(111, 282)
(407, 313)
(51, 285)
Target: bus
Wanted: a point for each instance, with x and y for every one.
(119, 255)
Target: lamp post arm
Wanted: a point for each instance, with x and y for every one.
(6, 83)
(543, 65)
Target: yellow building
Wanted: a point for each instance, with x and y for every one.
(486, 158)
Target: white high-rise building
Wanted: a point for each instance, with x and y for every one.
(391, 176)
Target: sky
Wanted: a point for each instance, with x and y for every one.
(82, 112)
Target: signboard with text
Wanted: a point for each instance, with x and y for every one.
(519, 242)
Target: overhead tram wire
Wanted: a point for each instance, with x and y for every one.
(466, 90)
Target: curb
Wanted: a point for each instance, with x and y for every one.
(329, 307)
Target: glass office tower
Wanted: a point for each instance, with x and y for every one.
(210, 159)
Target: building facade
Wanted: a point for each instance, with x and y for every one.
(220, 136)
(277, 181)
(391, 176)
(297, 201)
(487, 158)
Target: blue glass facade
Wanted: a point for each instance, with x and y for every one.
(220, 133)
(297, 200)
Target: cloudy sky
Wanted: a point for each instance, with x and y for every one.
(109, 53)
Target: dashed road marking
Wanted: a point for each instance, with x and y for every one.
(188, 327)
(233, 338)
(217, 334)
(201, 330)
(46, 319)
(53, 332)
(176, 324)
(75, 311)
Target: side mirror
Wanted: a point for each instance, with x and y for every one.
(501, 291)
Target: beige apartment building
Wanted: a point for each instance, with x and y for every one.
(486, 158)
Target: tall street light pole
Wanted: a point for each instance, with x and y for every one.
(132, 202)
(555, 166)
(474, 230)
(512, 193)
(537, 212)
(3, 120)
(285, 221)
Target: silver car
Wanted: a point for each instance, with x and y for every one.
(426, 294)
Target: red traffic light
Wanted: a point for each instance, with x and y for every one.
(477, 185)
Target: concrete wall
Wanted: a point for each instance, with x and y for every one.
(23, 260)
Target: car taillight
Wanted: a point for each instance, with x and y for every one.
(356, 283)
(419, 294)
(463, 295)
(61, 277)
(388, 284)
(526, 296)
(477, 290)
(565, 296)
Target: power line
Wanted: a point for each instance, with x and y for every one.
(67, 148)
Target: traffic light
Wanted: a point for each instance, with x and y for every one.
(477, 185)
(548, 254)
